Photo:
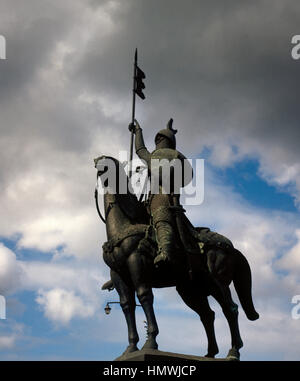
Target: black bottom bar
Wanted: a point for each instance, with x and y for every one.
(136, 370)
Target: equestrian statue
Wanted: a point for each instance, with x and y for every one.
(152, 244)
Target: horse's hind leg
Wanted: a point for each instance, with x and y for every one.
(127, 302)
(200, 305)
(230, 310)
(145, 296)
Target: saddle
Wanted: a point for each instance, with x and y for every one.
(205, 238)
(194, 240)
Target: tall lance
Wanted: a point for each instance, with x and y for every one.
(138, 86)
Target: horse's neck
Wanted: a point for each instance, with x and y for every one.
(115, 219)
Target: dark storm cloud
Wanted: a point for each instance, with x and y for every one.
(219, 68)
(31, 29)
(222, 70)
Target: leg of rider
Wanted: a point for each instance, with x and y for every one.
(164, 234)
(164, 231)
(163, 224)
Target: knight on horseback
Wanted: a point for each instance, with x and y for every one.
(163, 204)
(143, 236)
(133, 272)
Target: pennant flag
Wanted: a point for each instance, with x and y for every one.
(139, 84)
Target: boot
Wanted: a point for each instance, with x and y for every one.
(163, 256)
(164, 235)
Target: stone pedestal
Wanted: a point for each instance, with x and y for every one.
(156, 355)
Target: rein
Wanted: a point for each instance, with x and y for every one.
(110, 206)
(97, 205)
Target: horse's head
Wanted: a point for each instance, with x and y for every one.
(112, 174)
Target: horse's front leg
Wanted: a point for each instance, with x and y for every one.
(127, 302)
(144, 293)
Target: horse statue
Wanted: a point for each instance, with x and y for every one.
(130, 251)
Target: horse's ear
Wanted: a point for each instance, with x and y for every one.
(98, 158)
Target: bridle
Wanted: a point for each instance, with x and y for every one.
(110, 205)
(97, 202)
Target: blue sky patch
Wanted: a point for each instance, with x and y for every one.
(243, 177)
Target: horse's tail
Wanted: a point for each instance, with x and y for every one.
(243, 283)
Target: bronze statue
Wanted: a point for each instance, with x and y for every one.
(162, 204)
(153, 244)
(140, 253)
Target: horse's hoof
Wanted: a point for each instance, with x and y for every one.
(212, 351)
(233, 355)
(150, 344)
(253, 316)
(108, 285)
(131, 348)
(211, 356)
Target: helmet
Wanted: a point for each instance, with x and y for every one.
(169, 133)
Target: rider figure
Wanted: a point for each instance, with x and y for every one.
(161, 204)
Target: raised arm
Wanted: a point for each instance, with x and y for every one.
(140, 147)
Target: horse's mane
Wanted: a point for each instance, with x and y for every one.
(128, 202)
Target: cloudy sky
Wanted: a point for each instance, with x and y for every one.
(224, 72)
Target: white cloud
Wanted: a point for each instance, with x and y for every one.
(263, 236)
(65, 99)
(7, 342)
(10, 271)
(66, 290)
(291, 260)
(60, 306)
(10, 334)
